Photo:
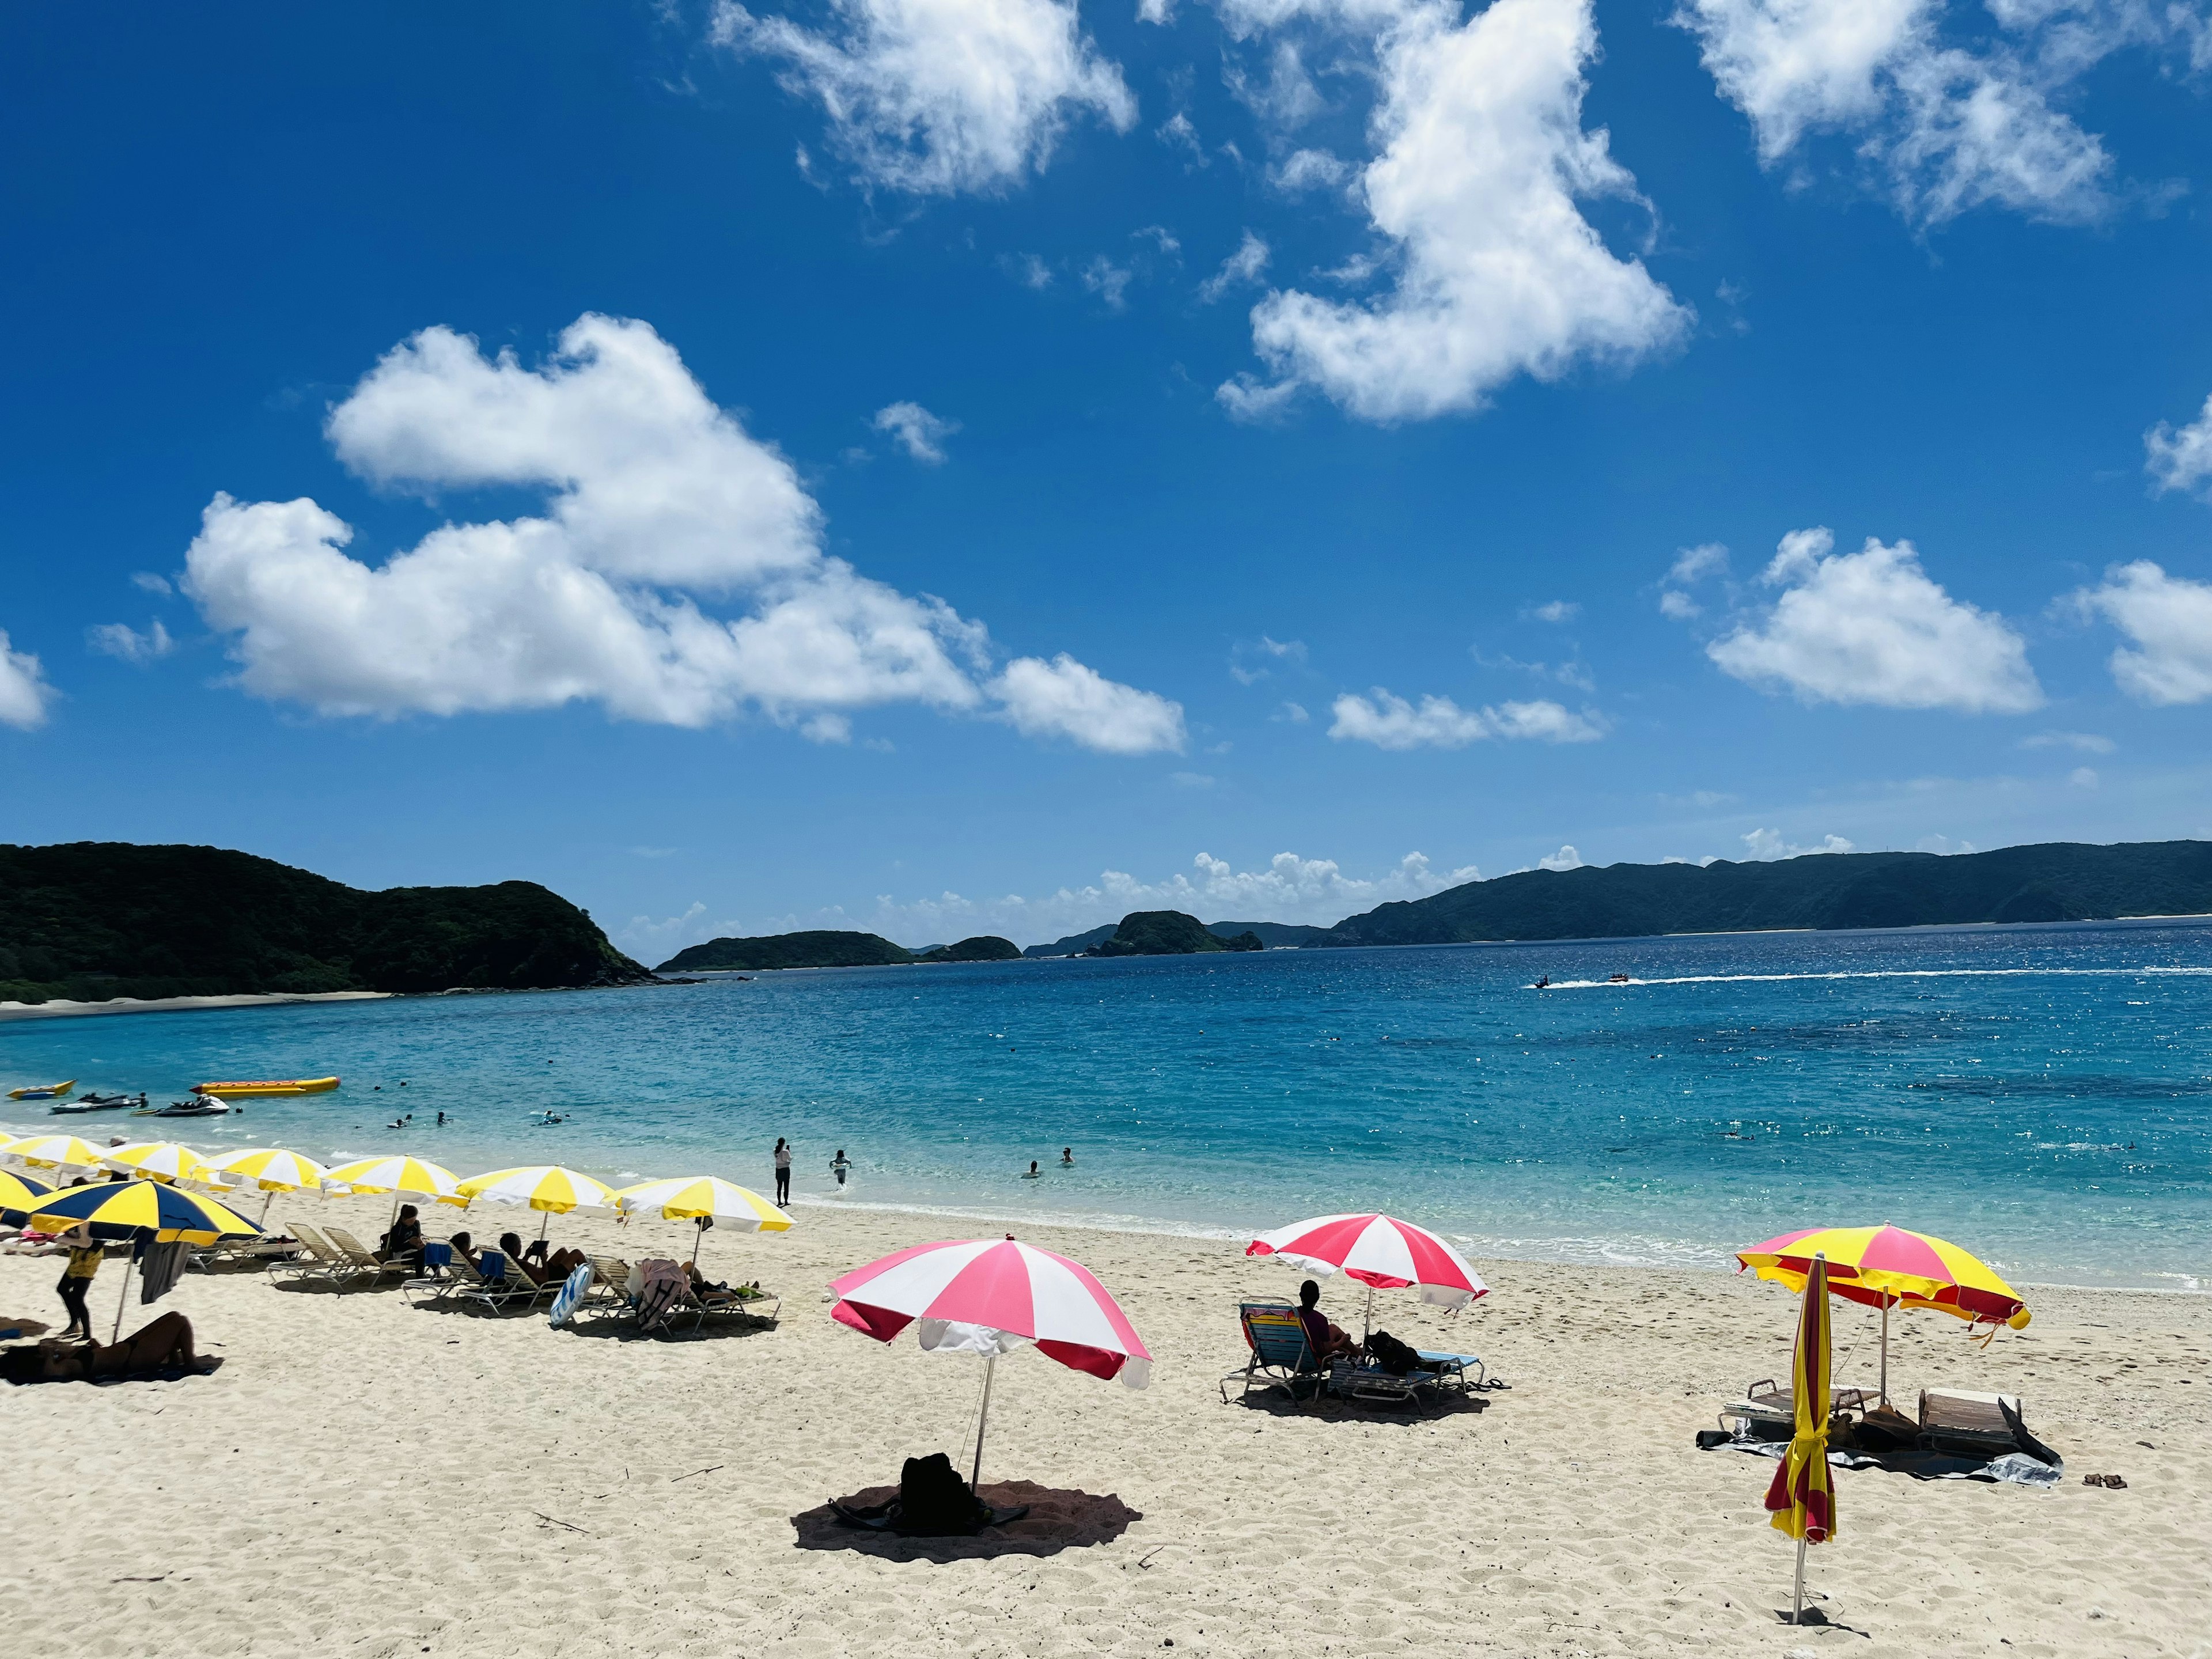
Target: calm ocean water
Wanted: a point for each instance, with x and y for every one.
(2041, 1095)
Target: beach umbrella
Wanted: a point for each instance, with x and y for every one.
(54, 1152)
(161, 1160)
(1380, 1252)
(401, 1177)
(1887, 1266)
(142, 1210)
(546, 1186)
(990, 1297)
(1801, 1498)
(272, 1168)
(686, 1197)
(19, 1196)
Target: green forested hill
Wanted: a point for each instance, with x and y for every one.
(2056, 881)
(95, 920)
(818, 948)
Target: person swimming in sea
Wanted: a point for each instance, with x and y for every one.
(1067, 1158)
(839, 1166)
(1033, 1173)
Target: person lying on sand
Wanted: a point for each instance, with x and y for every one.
(1326, 1340)
(163, 1345)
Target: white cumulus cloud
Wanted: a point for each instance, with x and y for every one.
(1482, 160)
(1946, 125)
(655, 499)
(1062, 698)
(1245, 265)
(1870, 627)
(1764, 846)
(1392, 722)
(940, 96)
(2167, 620)
(2180, 457)
(24, 693)
(917, 431)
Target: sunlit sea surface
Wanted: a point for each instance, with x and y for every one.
(2043, 1095)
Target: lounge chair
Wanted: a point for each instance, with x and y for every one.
(766, 1306)
(498, 1283)
(323, 1259)
(437, 1277)
(609, 1282)
(1769, 1411)
(1281, 1357)
(1974, 1424)
(365, 1261)
(269, 1251)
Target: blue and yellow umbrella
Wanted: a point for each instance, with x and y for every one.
(133, 1210)
(19, 1196)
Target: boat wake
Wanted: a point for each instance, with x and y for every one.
(1870, 973)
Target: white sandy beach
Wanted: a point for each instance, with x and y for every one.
(365, 1478)
(61, 1007)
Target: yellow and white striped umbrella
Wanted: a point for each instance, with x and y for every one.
(270, 1168)
(684, 1198)
(164, 1160)
(50, 1151)
(410, 1177)
(542, 1186)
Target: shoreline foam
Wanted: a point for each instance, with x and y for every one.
(63, 1008)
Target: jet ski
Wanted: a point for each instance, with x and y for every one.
(100, 1103)
(184, 1108)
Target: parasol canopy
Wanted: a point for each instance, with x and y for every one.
(161, 1160)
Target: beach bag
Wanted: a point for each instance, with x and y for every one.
(1392, 1355)
(934, 1502)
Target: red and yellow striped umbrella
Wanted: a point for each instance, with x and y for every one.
(1887, 1266)
(1803, 1496)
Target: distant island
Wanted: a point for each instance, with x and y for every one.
(1167, 934)
(1272, 935)
(825, 948)
(89, 922)
(2055, 881)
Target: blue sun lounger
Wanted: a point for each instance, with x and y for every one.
(1281, 1357)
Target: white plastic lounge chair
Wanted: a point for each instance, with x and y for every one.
(437, 1277)
(323, 1259)
(364, 1261)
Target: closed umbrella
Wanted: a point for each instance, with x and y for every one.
(544, 1187)
(1380, 1252)
(160, 1160)
(990, 1297)
(1888, 1266)
(1802, 1495)
(141, 1210)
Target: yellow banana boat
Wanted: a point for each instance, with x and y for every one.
(50, 1091)
(290, 1085)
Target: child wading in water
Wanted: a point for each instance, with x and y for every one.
(839, 1165)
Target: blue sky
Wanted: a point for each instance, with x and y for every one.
(957, 465)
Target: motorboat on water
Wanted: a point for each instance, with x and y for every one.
(292, 1085)
(49, 1092)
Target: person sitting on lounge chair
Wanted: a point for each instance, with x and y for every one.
(1326, 1340)
(161, 1345)
(405, 1241)
(544, 1269)
(709, 1293)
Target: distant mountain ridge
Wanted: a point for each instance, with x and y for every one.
(2053, 881)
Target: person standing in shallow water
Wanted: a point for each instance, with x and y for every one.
(839, 1166)
(782, 1171)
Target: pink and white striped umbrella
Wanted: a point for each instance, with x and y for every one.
(991, 1296)
(1380, 1252)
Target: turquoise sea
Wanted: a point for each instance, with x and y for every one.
(2043, 1095)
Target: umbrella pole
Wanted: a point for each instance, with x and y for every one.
(1797, 1595)
(982, 1419)
(698, 1238)
(267, 1198)
(1885, 1350)
(1367, 1319)
(116, 1334)
(545, 1220)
